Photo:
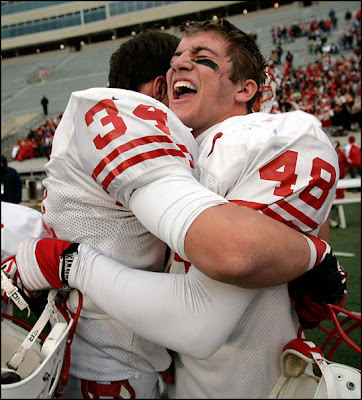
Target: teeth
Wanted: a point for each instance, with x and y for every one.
(184, 84)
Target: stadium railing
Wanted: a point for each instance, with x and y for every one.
(346, 184)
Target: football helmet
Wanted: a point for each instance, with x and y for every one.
(267, 93)
(307, 370)
(35, 364)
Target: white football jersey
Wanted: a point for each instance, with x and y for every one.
(109, 143)
(18, 223)
(284, 166)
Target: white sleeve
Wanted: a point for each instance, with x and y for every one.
(191, 314)
(175, 201)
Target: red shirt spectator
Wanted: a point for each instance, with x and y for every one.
(353, 153)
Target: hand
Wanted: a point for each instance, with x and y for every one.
(45, 263)
(324, 284)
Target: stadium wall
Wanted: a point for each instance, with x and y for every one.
(110, 24)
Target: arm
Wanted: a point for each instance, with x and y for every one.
(252, 251)
(188, 313)
(227, 242)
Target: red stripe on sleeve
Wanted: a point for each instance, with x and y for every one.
(138, 159)
(140, 142)
(297, 214)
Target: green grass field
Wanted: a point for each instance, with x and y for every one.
(348, 241)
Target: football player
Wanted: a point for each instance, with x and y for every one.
(282, 165)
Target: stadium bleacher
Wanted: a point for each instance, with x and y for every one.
(89, 67)
(67, 71)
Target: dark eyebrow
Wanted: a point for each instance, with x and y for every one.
(200, 48)
(196, 50)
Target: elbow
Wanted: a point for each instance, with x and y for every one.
(220, 246)
(231, 264)
(200, 344)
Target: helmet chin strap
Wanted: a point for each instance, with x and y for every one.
(13, 292)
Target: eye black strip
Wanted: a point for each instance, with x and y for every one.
(207, 63)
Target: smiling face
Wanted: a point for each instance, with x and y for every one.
(200, 91)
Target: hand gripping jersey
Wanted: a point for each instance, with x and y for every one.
(284, 166)
(109, 144)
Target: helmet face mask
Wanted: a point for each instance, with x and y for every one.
(339, 333)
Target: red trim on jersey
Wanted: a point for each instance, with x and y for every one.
(250, 204)
(297, 214)
(217, 136)
(186, 263)
(273, 214)
(149, 155)
(265, 209)
(113, 389)
(49, 232)
(44, 197)
(138, 142)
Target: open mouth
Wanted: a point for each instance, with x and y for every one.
(183, 89)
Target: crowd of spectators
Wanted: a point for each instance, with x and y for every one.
(330, 88)
(317, 33)
(38, 142)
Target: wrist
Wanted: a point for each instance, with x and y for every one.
(318, 249)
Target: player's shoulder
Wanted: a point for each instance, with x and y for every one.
(115, 94)
(301, 116)
(257, 128)
(296, 122)
(290, 116)
(135, 109)
(126, 101)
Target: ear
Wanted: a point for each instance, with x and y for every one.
(246, 91)
(159, 90)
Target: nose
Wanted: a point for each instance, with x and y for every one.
(182, 62)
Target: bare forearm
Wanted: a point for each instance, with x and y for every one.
(245, 248)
